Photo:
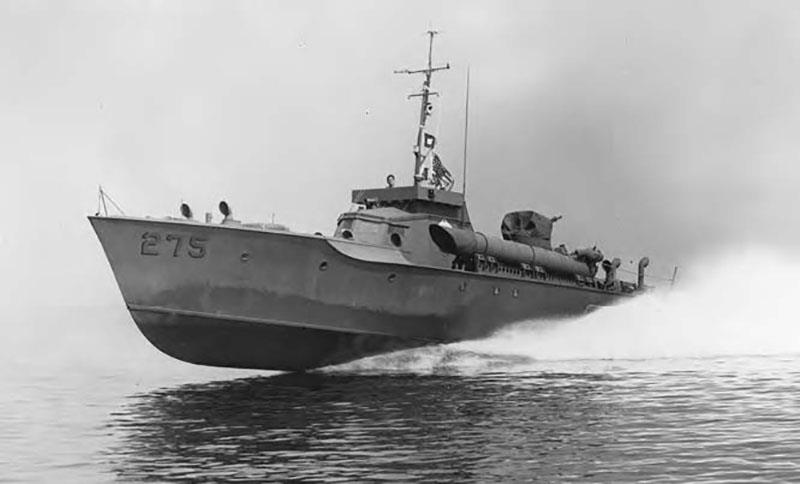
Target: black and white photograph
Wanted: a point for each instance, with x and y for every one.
(399, 241)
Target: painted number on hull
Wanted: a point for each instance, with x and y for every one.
(154, 244)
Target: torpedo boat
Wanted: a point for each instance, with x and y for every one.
(403, 269)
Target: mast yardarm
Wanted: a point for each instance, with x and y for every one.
(424, 139)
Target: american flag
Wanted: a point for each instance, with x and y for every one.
(441, 175)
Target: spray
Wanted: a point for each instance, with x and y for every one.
(743, 303)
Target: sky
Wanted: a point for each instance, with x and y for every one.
(660, 128)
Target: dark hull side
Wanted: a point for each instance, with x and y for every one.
(237, 297)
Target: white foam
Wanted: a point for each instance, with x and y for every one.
(742, 303)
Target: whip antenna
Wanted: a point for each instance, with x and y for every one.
(466, 134)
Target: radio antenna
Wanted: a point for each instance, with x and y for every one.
(466, 135)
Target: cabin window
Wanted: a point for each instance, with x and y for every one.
(397, 241)
(346, 234)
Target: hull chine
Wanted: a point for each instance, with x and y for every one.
(206, 339)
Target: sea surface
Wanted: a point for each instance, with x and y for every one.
(697, 384)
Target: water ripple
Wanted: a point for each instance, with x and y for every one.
(676, 425)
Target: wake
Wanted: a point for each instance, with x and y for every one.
(740, 304)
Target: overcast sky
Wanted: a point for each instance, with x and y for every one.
(659, 128)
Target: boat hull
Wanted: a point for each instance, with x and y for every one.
(208, 340)
(237, 297)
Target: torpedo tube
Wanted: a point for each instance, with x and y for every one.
(467, 243)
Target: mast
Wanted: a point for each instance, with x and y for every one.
(425, 107)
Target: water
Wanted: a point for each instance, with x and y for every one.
(700, 384)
